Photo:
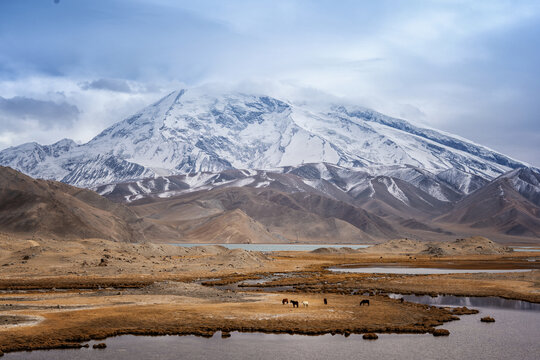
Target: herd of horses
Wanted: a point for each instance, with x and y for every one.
(296, 303)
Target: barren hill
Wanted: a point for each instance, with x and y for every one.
(267, 213)
(30, 206)
(508, 205)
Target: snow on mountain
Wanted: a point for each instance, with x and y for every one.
(387, 196)
(196, 131)
(464, 182)
(526, 181)
(175, 185)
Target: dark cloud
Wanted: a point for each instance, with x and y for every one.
(117, 85)
(48, 114)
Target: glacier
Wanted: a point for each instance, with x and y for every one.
(199, 131)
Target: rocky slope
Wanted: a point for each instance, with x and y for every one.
(412, 202)
(510, 204)
(54, 209)
(275, 216)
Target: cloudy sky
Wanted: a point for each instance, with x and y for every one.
(69, 68)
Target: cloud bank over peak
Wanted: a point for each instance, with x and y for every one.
(465, 67)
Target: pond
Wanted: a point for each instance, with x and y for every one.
(418, 271)
(487, 302)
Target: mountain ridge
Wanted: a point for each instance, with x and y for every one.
(49, 208)
(195, 131)
(405, 204)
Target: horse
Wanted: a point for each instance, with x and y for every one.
(294, 303)
(325, 301)
(364, 302)
(305, 303)
(401, 300)
(284, 301)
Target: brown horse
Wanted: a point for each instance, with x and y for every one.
(366, 302)
(294, 303)
(284, 301)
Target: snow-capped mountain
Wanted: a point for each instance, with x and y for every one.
(199, 131)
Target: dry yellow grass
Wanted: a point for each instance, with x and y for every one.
(143, 290)
(152, 315)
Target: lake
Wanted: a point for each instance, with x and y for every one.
(418, 271)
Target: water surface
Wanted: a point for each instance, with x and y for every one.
(525, 248)
(485, 302)
(514, 335)
(419, 271)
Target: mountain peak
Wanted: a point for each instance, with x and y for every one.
(209, 129)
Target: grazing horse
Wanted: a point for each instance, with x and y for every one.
(364, 302)
(401, 300)
(284, 301)
(325, 301)
(294, 303)
(305, 303)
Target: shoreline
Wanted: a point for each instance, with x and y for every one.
(71, 329)
(94, 289)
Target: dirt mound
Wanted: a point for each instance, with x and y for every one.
(476, 245)
(205, 250)
(471, 246)
(240, 258)
(331, 250)
(398, 246)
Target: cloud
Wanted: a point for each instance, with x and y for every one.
(47, 114)
(465, 67)
(117, 85)
(46, 109)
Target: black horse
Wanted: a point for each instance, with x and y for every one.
(366, 302)
(294, 303)
(325, 301)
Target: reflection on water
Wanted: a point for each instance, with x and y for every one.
(514, 335)
(470, 301)
(418, 271)
(278, 247)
